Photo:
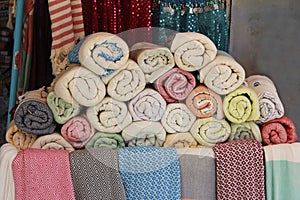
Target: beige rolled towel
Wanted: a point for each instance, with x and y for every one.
(153, 59)
(52, 141)
(192, 51)
(180, 140)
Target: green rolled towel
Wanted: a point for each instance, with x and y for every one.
(245, 130)
(62, 111)
(105, 140)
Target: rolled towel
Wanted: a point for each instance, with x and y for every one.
(211, 131)
(204, 102)
(192, 51)
(77, 131)
(17, 138)
(245, 130)
(177, 118)
(109, 115)
(144, 133)
(127, 83)
(180, 140)
(241, 105)
(279, 131)
(153, 59)
(223, 74)
(105, 140)
(52, 141)
(61, 110)
(148, 105)
(175, 85)
(103, 52)
(270, 104)
(80, 85)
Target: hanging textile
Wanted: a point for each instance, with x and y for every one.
(89, 12)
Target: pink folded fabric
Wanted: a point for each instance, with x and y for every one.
(175, 85)
(77, 131)
(42, 174)
(279, 131)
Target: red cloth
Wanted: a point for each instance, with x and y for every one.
(279, 131)
(42, 174)
(240, 170)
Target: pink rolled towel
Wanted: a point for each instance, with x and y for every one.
(175, 85)
(77, 131)
(279, 131)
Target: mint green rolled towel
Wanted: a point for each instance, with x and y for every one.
(105, 140)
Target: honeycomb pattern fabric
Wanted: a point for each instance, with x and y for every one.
(95, 174)
(240, 170)
(150, 173)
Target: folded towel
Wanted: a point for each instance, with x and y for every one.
(35, 117)
(277, 131)
(95, 174)
(109, 115)
(210, 131)
(245, 130)
(77, 131)
(222, 75)
(105, 140)
(282, 163)
(150, 173)
(42, 174)
(7, 186)
(103, 52)
(270, 105)
(204, 102)
(127, 83)
(148, 105)
(153, 59)
(180, 140)
(192, 51)
(241, 105)
(175, 85)
(52, 141)
(177, 118)
(240, 170)
(80, 85)
(17, 138)
(61, 110)
(144, 133)
(197, 173)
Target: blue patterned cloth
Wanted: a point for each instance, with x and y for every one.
(150, 173)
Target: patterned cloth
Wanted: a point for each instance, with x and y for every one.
(95, 174)
(150, 173)
(240, 170)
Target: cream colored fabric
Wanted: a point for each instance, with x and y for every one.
(52, 141)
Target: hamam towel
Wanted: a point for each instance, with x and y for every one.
(241, 105)
(223, 75)
(204, 102)
(95, 174)
(17, 138)
(150, 173)
(144, 133)
(148, 105)
(77, 131)
(175, 85)
(270, 104)
(54, 141)
(192, 51)
(42, 174)
(105, 140)
(127, 83)
(278, 131)
(80, 85)
(153, 59)
(245, 130)
(240, 170)
(211, 131)
(177, 118)
(180, 140)
(109, 115)
(103, 52)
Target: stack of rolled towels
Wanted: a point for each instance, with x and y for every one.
(185, 93)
